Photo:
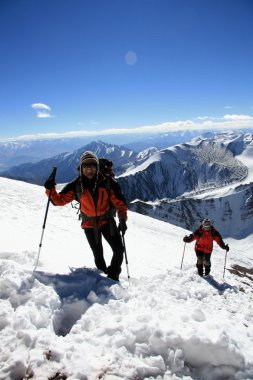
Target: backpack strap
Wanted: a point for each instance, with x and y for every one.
(112, 210)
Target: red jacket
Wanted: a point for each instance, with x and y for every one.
(204, 239)
(97, 200)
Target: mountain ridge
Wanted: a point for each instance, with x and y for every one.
(67, 163)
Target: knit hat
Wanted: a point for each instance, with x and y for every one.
(88, 158)
(207, 223)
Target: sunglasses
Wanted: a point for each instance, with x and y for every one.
(91, 166)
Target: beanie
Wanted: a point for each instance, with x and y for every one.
(88, 158)
(207, 223)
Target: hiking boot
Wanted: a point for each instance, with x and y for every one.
(113, 277)
(113, 273)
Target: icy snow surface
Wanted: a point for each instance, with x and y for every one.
(167, 323)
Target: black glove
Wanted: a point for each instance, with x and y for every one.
(226, 247)
(187, 239)
(50, 183)
(122, 226)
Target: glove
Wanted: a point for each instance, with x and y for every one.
(122, 226)
(226, 247)
(186, 239)
(50, 183)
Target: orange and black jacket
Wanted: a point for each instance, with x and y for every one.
(204, 239)
(98, 199)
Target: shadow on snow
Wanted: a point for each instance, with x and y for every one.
(221, 287)
(78, 290)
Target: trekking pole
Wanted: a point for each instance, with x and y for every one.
(225, 262)
(51, 177)
(183, 256)
(125, 252)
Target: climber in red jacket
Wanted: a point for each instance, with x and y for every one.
(204, 236)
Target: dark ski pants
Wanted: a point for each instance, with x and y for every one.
(203, 259)
(112, 235)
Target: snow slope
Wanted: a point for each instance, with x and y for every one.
(166, 324)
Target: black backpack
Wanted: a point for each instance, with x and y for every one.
(105, 167)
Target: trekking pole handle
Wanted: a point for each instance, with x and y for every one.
(53, 174)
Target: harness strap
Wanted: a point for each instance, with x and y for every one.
(107, 216)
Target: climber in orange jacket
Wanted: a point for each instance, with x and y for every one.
(99, 197)
(204, 236)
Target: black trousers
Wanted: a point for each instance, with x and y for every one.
(203, 258)
(112, 235)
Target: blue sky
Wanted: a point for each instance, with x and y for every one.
(72, 65)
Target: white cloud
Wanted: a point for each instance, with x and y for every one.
(238, 117)
(40, 106)
(203, 117)
(227, 122)
(42, 110)
(43, 114)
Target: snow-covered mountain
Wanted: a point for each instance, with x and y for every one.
(17, 152)
(167, 324)
(200, 165)
(22, 150)
(67, 163)
(231, 206)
